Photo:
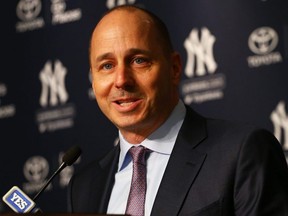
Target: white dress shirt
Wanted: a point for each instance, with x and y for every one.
(161, 142)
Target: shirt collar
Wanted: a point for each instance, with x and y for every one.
(162, 140)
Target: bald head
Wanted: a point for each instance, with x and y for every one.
(149, 20)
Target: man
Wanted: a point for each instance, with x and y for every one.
(195, 165)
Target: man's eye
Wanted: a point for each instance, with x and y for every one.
(107, 66)
(139, 60)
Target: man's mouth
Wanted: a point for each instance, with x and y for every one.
(127, 104)
(124, 103)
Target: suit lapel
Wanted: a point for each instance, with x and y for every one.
(108, 166)
(183, 166)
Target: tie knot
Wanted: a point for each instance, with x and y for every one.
(138, 154)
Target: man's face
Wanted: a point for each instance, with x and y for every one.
(134, 81)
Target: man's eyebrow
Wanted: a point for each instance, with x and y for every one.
(130, 52)
(134, 51)
(104, 56)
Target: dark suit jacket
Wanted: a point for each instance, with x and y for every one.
(216, 168)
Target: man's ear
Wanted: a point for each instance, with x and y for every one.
(91, 80)
(177, 67)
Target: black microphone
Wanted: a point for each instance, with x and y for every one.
(68, 159)
(19, 202)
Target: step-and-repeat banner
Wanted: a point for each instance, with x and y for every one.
(235, 66)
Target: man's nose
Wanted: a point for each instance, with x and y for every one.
(123, 77)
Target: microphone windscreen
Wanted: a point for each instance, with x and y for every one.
(71, 155)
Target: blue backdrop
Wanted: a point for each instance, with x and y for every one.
(235, 66)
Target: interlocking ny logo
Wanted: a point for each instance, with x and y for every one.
(200, 53)
(280, 121)
(113, 3)
(55, 82)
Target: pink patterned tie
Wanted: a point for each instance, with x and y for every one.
(136, 199)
